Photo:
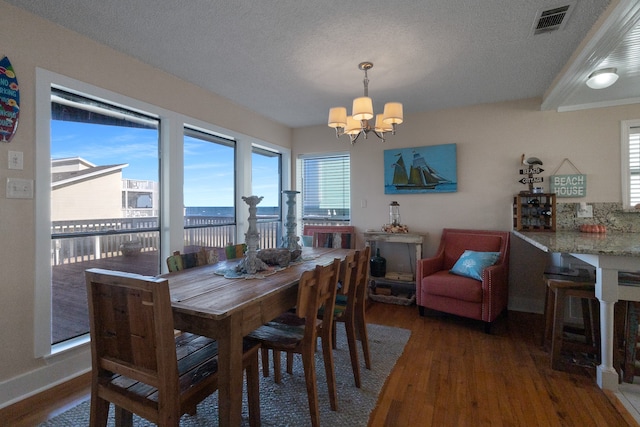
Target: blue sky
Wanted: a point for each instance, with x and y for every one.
(208, 167)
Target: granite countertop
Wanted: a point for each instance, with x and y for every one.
(610, 243)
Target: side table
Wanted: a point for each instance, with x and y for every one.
(409, 238)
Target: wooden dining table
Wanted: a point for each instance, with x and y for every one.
(227, 309)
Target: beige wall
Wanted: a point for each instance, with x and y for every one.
(30, 42)
(490, 140)
(90, 199)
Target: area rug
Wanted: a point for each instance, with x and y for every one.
(285, 404)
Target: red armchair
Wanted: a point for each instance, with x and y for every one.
(438, 289)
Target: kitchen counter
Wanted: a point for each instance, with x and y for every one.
(609, 253)
(576, 242)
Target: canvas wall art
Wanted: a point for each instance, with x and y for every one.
(429, 169)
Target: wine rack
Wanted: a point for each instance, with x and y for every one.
(534, 212)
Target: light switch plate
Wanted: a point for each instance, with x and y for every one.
(16, 160)
(19, 188)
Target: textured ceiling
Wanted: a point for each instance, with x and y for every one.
(292, 60)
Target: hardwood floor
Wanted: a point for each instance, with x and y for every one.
(450, 374)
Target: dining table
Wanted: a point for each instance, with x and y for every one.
(609, 253)
(207, 302)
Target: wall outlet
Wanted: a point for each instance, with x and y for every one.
(19, 188)
(585, 211)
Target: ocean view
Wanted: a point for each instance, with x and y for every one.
(227, 211)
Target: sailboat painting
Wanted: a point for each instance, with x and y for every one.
(429, 169)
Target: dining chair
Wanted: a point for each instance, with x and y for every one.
(350, 308)
(204, 256)
(140, 365)
(297, 332)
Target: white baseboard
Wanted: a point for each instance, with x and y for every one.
(56, 371)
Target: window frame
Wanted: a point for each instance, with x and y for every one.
(627, 129)
(301, 185)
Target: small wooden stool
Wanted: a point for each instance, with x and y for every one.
(559, 287)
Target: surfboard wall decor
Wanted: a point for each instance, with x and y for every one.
(9, 101)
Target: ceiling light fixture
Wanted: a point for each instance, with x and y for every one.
(603, 78)
(358, 122)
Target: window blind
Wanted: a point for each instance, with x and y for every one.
(326, 187)
(634, 165)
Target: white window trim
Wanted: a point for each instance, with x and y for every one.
(625, 132)
(171, 216)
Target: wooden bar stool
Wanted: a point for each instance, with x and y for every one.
(559, 288)
(631, 359)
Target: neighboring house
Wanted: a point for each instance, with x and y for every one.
(83, 191)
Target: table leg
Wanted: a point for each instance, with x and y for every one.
(607, 376)
(230, 374)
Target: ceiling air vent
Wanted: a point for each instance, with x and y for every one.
(552, 19)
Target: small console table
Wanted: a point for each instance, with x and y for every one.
(380, 236)
(403, 291)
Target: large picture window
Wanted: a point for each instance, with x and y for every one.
(115, 177)
(104, 200)
(208, 190)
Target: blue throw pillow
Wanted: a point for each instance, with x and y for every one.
(471, 263)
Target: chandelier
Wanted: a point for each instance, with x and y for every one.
(362, 111)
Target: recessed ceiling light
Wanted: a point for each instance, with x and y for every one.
(603, 78)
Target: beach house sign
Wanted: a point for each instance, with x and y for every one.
(573, 185)
(569, 185)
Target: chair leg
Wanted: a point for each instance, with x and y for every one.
(99, 411)
(549, 310)
(350, 328)
(558, 326)
(264, 352)
(361, 329)
(308, 363)
(487, 328)
(253, 389)
(588, 320)
(327, 354)
(123, 417)
(334, 338)
(289, 362)
(277, 369)
(631, 339)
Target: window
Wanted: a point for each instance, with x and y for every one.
(326, 188)
(266, 181)
(630, 150)
(104, 200)
(208, 190)
(114, 179)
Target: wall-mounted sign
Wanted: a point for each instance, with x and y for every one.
(569, 185)
(9, 101)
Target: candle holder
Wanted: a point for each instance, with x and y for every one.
(251, 264)
(290, 240)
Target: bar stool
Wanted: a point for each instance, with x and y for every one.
(559, 287)
(631, 361)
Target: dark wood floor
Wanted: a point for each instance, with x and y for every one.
(450, 374)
